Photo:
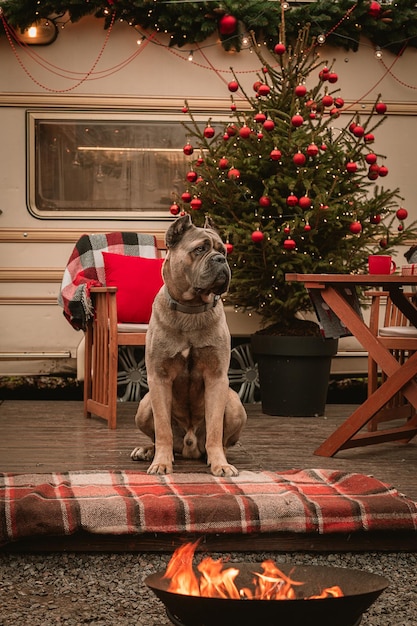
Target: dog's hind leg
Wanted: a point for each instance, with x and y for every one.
(144, 421)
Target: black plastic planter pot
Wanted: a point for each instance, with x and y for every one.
(293, 373)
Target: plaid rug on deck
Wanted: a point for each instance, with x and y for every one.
(129, 502)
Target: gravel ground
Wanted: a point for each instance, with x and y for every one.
(108, 589)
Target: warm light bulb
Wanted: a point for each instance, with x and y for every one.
(32, 31)
(378, 53)
(190, 55)
(321, 39)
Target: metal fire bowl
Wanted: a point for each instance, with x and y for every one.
(361, 589)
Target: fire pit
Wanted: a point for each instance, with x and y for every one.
(313, 596)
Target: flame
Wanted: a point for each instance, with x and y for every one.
(215, 581)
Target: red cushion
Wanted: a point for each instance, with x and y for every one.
(138, 280)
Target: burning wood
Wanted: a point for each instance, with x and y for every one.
(216, 581)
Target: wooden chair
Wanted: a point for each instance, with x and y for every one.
(103, 333)
(394, 331)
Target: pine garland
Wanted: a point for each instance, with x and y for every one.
(387, 25)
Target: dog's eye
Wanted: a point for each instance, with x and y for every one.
(199, 250)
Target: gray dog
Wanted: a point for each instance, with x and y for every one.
(190, 408)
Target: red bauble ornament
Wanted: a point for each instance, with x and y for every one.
(244, 132)
(259, 135)
(400, 227)
(304, 202)
(380, 108)
(199, 161)
(186, 196)
(174, 209)
(287, 230)
(292, 200)
(374, 9)
(312, 150)
(264, 201)
(383, 243)
(233, 107)
(334, 112)
(369, 138)
(312, 115)
(233, 173)
(269, 125)
(195, 204)
(275, 154)
(300, 91)
(324, 74)
(260, 117)
(371, 158)
(297, 120)
(402, 214)
(289, 244)
(223, 163)
(383, 171)
(188, 149)
(229, 248)
(358, 131)
(227, 24)
(352, 126)
(339, 103)
(323, 147)
(280, 49)
(257, 236)
(327, 101)
(333, 77)
(351, 167)
(355, 227)
(184, 109)
(375, 219)
(256, 85)
(299, 158)
(231, 131)
(226, 137)
(233, 86)
(264, 90)
(209, 132)
(307, 228)
(191, 176)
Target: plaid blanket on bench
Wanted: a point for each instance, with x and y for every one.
(85, 269)
(129, 502)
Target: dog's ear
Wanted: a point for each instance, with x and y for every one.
(176, 231)
(208, 223)
(411, 254)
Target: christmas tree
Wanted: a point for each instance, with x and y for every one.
(291, 184)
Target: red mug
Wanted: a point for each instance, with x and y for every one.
(381, 264)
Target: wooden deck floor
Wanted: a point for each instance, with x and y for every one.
(54, 436)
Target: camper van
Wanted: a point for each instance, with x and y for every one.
(92, 140)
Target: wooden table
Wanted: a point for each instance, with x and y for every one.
(399, 377)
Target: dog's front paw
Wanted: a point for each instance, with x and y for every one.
(224, 470)
(143, 453)
(160, 468)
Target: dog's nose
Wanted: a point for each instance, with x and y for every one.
(219, 258)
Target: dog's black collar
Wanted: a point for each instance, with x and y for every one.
(183, 308)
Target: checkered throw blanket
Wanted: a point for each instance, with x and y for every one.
(130, 502)
(85, 269)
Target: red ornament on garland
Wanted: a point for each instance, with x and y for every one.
(275, 154)
(229, 247)
(304, 202)
(233, 86)
(381, 108)
(260, 117)
(374, 9)
(209, 132)
(375, 219)
(186, 196)
(196, 204)
(383, 171)
(223, 163)
(174, 209)
(292, 200)
(307, 227)
(300, 91)
(269, 125)
(402, 214)
(312, 150)
(280, 49)
(191, 176)
(264, 90)
(358, 131)
(299, 158)
(369, 138)
(245, 132)
(371, 158)
(227, 24)
(297, 120)
(339, 103)
(231, 130)
(333, 77)
(233, 173)
(327, 101)
(289, 244)
(257, 236)
(188, 149)
(264, 201)
(351, 167)
(184, 109)
(355, 228)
